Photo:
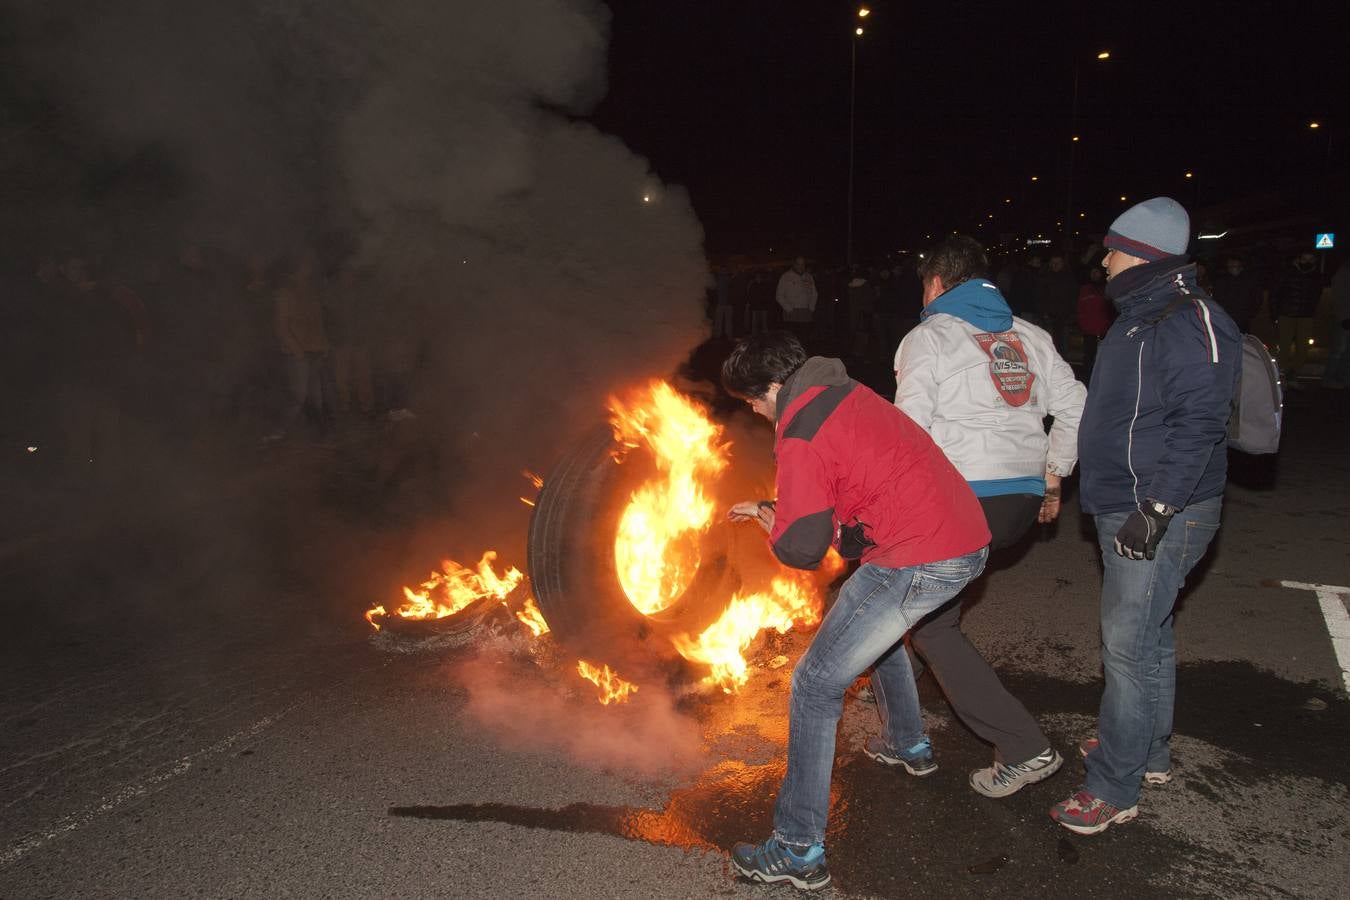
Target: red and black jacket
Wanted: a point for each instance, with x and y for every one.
(846, 457)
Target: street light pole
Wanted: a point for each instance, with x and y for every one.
(863, 13)
(852, 91)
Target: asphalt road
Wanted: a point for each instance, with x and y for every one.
(190, 704)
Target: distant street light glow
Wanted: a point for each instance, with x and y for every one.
(1075, 138)
(858, 32)
(1210, 237)
(1190, 174)
(864, 12)
(1314, 124)
(1105, 54)
(1035, 178)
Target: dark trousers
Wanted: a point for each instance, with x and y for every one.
(971, 686)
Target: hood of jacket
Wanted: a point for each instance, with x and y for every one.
(816, 371)
(976, 301)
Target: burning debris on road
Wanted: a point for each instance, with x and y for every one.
(639, 574)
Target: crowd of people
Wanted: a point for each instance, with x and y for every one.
(962, 463)
(203, 346)
(861, 313)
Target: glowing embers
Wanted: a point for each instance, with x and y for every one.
(613, 689)
(656, 550)
(721, 646)
(452, 589)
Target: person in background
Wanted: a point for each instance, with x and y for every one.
(303, 339)
(1337, 377)
(1057, 300)
(1293, 304)
(796, 295)
(1094, 316)
(1239, 292)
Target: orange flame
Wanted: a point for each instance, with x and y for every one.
(788, 602)
(656, 551)
(613, 689)
(532, 618)
(447, 592)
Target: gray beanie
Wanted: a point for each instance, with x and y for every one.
(1151, 230)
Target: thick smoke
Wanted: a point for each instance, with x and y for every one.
(538, 263)
(644, 736)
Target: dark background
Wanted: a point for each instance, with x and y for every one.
(960, 104)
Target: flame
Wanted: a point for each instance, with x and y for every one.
(446, 592)
(372, 613)
(613, 689)
(532, 617)
(656, 551)
(789, 601)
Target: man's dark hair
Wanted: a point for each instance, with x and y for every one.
(759, 361)
(956, 260)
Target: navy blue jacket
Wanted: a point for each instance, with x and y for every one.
(1155, 423)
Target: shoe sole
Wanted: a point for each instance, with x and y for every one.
(894, 761)
(1120, 818)
(1154, 778)
(1029, 778)
(756, 875)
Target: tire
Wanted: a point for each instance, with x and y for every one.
(571, 558)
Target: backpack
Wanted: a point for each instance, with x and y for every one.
(1258, 401)
(1258, 398)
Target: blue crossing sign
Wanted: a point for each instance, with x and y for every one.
(1325, 241)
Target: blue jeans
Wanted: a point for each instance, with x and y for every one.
(1138, 653)
(874, 609)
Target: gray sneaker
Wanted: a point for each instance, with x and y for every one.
(917, 760)
(1000, 779)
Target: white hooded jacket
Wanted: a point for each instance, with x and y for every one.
(982, 382)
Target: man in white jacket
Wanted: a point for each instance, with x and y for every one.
(982, 382)
(797, 293)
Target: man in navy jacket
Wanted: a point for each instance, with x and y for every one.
(1152, 452)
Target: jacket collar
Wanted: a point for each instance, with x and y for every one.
(816, 371)
(1137, 291)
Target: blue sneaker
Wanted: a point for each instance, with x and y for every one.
(917, 760)
(772, 861)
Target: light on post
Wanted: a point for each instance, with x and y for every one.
(864, 12)
(1105, 54)
(1314, 125)
(858, 32)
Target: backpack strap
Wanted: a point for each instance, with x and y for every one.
(1170, 309)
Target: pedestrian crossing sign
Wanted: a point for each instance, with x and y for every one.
(1326, 241)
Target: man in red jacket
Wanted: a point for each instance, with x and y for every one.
(856, 473)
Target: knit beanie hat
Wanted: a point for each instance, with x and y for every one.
(1151, 230)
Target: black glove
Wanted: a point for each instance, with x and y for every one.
(853, 541)
(1138, 538)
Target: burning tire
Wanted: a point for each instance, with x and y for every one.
(571, 556)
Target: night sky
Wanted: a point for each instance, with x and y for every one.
(960, 104)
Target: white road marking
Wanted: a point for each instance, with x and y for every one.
(1329, 597)
(146, 786)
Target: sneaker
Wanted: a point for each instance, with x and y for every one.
(1085, 814)
(773, 861)
(1154, 778)
(917, 760)
(1001, 779)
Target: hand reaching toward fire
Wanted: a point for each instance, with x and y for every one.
(760, 511)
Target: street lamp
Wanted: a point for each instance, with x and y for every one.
(1073, 131)
(863, 12)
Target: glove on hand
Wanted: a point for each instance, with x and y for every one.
(1138, 538)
